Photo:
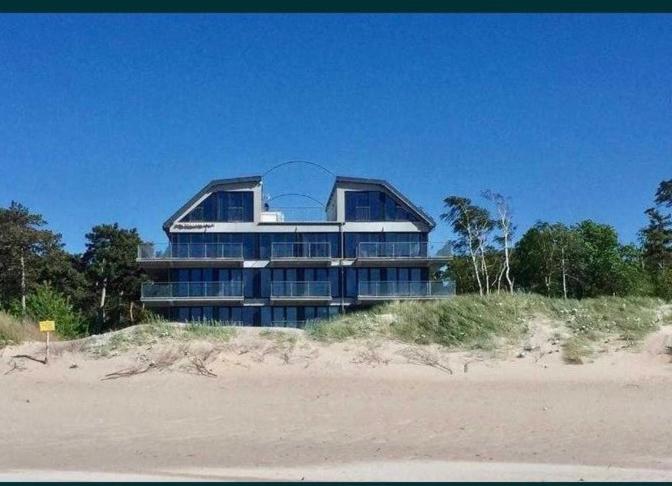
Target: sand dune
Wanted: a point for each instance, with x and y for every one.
(361, 410)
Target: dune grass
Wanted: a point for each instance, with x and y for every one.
(15, 331)
(154, 332)
(474, 322)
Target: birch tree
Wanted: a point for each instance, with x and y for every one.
(472, 225)
(506, 228)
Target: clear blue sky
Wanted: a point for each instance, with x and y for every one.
(122, 118)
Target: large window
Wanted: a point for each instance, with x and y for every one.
(292, 316)
(375, 206)
(225, 206)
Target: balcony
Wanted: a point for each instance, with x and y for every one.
(183, 255)
(300, 253)
(319, 291)
(195, 292)
(400, 253)
(394, 290)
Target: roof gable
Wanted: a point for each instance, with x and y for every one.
(204, 191)
(393, 190)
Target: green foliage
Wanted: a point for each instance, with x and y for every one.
(45, 303)
(539, 256)
(589, 255)
(113, 274)
(26, 251)
(656, 239)
(472, 225)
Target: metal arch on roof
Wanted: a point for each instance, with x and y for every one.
(296, 194)
(208, 187)
(307, 162)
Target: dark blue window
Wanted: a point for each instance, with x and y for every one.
(375, 206)
(226, 206)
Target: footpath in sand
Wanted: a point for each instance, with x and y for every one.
(280, 406)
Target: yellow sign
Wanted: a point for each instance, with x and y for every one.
(47, 326)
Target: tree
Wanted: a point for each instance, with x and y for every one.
(24, 247)
(543, 259)
(505, 225)
(656, 239)
(472, 225)
(664, 194)
(114, 276)
(598, 259)
(45, 303)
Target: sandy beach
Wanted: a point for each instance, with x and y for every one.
(348, 411)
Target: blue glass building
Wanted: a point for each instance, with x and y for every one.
(230, 258)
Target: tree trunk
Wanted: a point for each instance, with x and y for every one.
(103, 295)
(484, 268)
(499, 278)
(507, 261)
(564, 274)
(472, 253)
(23, 284)
(547, 282)
(130, 312)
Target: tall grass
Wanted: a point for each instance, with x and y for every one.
(16, 331)
(482, 322)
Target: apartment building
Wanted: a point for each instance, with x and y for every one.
(232, 258)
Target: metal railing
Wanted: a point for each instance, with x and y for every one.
(400, 289)
(392, 250)
(296, 214)
(177, 251)
(306, 249)
(166, 290)
(283, 289)
(209, 322)
(402, 249)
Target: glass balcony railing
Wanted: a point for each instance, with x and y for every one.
(281, 250)
(408, 290)
(169, 290)
(179, 251)
(402, 249)
(301, 290)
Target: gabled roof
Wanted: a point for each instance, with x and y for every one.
(361, 180)
(208, 188)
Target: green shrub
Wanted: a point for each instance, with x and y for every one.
(46, 304)
(575, 349)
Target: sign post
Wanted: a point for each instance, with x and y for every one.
(48, 327)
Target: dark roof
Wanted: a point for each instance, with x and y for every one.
(205, 190)
(361, 180)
